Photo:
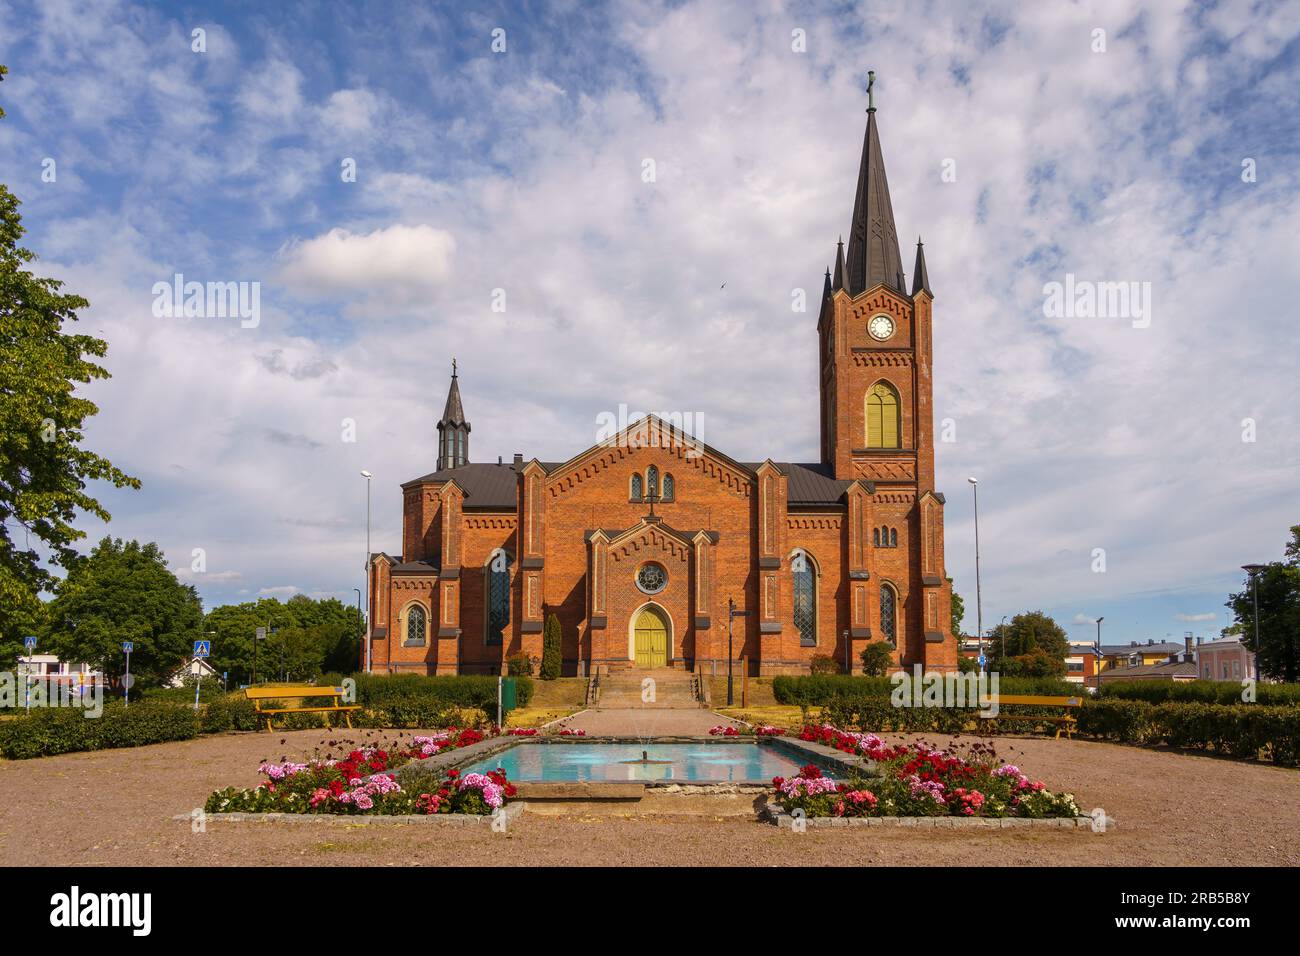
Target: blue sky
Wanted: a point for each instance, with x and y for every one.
(522, 171)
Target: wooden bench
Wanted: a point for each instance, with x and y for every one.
(1065, 722)
(301, 693)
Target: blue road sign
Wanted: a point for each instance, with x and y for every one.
(981, 660)
(202, 648)
(29, 642)
(128, 647)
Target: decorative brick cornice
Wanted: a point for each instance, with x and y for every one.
(814, 522)
(496, 522)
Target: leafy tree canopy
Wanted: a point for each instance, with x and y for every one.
(124, 591)
(1278, 642)
(1031, 644)
(44, 470)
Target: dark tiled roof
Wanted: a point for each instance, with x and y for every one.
(813, 484)
(486, 486)
(1163, 669)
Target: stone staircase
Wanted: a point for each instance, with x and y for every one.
(673, 690)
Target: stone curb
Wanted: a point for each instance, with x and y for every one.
(511, 813)
(775, 815)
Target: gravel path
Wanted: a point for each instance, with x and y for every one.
(117, 807)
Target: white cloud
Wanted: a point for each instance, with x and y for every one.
(1193, 618)
(398, 259)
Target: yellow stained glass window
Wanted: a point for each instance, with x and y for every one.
(882, 417)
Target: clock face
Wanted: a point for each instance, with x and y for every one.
(881, 327)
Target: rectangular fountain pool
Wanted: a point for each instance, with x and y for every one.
(534, 762)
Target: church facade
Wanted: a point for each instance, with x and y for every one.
(643, 545)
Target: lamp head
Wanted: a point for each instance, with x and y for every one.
(1252, 569)
(973, 481)
(366, 475)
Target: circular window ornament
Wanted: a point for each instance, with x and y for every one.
(652, 578)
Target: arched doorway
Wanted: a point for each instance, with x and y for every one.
(650, 637)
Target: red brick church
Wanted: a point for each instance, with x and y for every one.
(638, 543)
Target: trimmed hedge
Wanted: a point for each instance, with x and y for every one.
(465, 690)
(820, 690)
(59, 730)
(1198, 691)
(1249, 731)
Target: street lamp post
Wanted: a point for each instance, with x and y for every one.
(1253, 570)
(1099, 658)
(979, 604)
(366, 475)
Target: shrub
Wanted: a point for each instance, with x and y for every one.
(551, 656)
(519, 665)
(1201, 691)
(228, 712)
(877, 659)
(824, 664)
(61, 730)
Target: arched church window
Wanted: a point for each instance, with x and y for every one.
(670, 487)
(497, 572)
(635, 494)
(804, 572)
(652, 480)
(889, 614)
(882, 416)
(875, 537)
(893, 537)
(416, 625)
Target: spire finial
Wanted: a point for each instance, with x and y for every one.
(871, 96)
(453, 367)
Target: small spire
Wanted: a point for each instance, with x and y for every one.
(920, 278)
(453, 428)
(839, 265)
(826, 289)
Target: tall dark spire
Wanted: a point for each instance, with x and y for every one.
(453, 429)
(873, 241)
(920, 278)
(839, 265)
(826, 289)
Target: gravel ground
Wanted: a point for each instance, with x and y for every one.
(117, 807)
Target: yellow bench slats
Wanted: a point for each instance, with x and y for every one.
(301, 692)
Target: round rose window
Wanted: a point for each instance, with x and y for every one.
(652, 578)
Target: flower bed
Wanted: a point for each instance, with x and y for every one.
(538, 732)
(918, 781)
(364, 782)
(758, 730)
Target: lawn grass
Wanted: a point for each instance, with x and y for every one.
(776, 715)
(552, 699)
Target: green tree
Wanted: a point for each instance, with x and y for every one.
(877, 659)
(1279, 614)
(124, 591)
(306, 636)
(44, 470)
(552, 660)
(958, 611)
(1031, 644)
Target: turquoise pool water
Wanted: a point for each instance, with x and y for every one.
(688, 763)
